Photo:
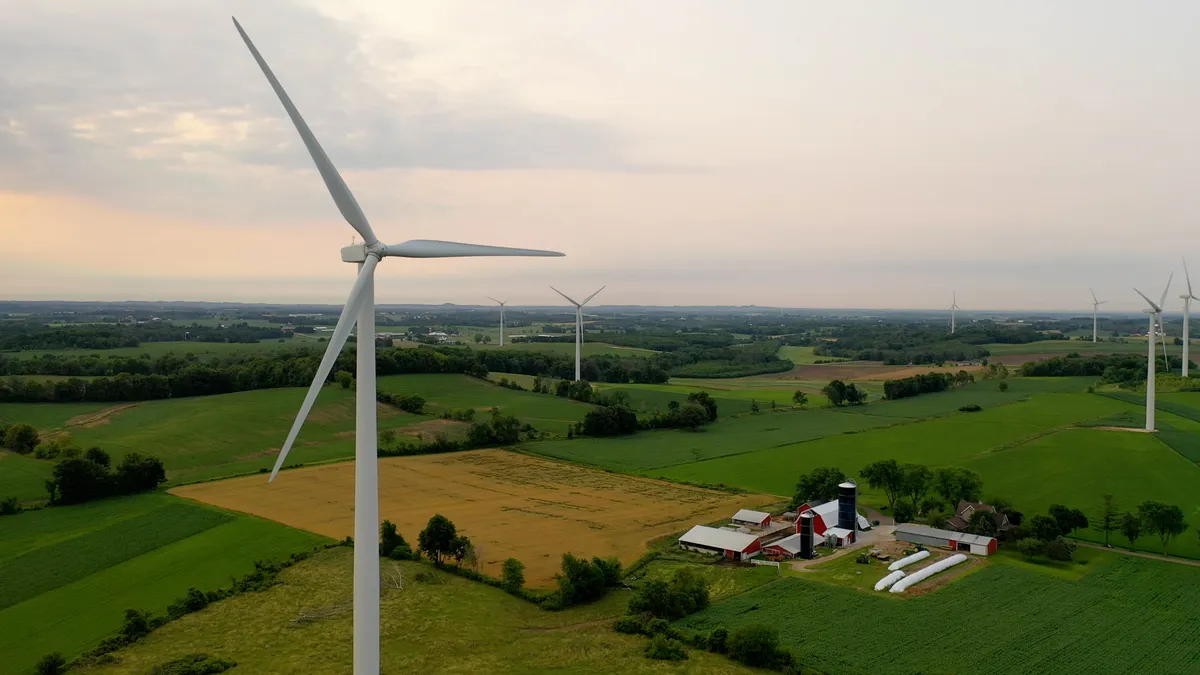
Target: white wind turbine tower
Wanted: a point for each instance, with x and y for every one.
(1187, 311)
(502, 304)
(578, 323)
(360, 309)
(1155, 312)
(1095, 307)
(953, 309)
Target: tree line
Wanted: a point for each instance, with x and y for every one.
(927, 383)
(17, 337)
(1124, 369)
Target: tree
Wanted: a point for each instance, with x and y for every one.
(702, 399)
(854, 396)
(613, 420)
(512, 573)
(1165, 520)
(138, 473)
(1044, 528)
(753, 644)
(818, 486)
(956, 484)
(392, 544)
(1060, 549)
(982, 523)
(1003, 386)
(51, 664)
(1131, 528)
(754, 406)
(98, 456)
(136, 625)
(75, 481)
(1031, 547)
(344, 379)
(885, 475)
(835, 391)
(685, 593)
(21, 438)
(918, 479)
(437, 539)
(800, 398)
(580, 581)
(461, 549)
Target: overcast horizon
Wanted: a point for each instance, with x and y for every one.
(781, 154)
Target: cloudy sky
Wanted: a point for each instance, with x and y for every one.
(786, 153)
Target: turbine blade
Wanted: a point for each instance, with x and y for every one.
(1187, 276)
(588, 298)
(1094, 298)
(565, 296)
(430, 248)
(1163, 302)
(493, 299)
(1148, 300)
(336, 341)
(333, 180)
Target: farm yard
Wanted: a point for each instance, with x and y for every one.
(508, 504)
(1143, 602)
(67, 575)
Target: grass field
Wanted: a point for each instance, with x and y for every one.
(452, 626)
(1060, 347)
(944, 441)
(200, 349)
(23, 477)
(507, 503)
(1035, 623)
(802, 355)
(653, 450)
(69, 573)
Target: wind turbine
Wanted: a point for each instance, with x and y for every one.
(360, 309)
(1187, 311)
(1095, 307)
(1155, 311)
(578, 323)
(953, 309)
(502, 304)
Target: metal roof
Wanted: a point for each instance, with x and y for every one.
(913, 528)
(790, 544)
(829, 513)
(838, 532)
(751, 516)
(722, 539)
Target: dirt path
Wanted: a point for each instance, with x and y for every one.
(97, 418)
(1138, 554)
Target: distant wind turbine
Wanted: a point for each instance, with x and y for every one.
(1155, 312)
(1187, 311)
(953, 309)
(1095, 307)
(578, 323)
(360, 309)
(502, 304)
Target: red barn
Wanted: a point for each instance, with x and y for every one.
(731, 544)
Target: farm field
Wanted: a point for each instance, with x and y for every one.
(451, 392)
(938, 442)
(1146, 602)
(23, 477)
(493, 632)
(802, 355)
(200, 349)
(70, 572)
(507, 503)
(1060, 347)
(860, 371)
(655, 450)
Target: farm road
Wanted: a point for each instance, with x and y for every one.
(1137, 554)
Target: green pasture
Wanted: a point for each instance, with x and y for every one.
(803, 355)
(645, 451)
(1063, 347)
(98, 560)
(23, 477)
(1035, 623)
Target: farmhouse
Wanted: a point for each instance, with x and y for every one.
(748, 518)
(955, 541)
(962, 516)
(728, 543)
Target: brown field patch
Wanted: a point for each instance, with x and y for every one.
(97, 418)
(449, 428)
(857, 371)
(509, 504)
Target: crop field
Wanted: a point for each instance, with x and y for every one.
(1060, 347)
(484, 629)
(1077, 466)
(69, 573)
(859, 371)
(450, 392)
(803, 355)
(654, 450)
(507, 503)
(943, 441)
(1035, 623)
(648, 400)
(23, 477)
(568, 348)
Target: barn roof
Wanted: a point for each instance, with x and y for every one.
(751, 516)
(839, 532)
(829, 513)
(716, 538)
(790, 544)
(912, 528)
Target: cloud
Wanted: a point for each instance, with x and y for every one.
(159, 106)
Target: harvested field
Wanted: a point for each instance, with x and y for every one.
(852, 371)
(508, 504)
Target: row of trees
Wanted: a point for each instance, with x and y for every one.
(16, 337)
(839, 394)
(498, 430)
(911, 489)
(926, 383)
(83, 479)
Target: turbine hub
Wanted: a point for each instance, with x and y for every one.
(378, 249)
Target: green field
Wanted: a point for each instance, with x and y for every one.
(23, 477)
(1068, 346)
(200, 349)
(1034, 622)
(451, 626)
(803, 355)
(89, 563)
(652, 450)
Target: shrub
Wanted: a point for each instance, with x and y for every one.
(10, 507)
(717, 640)
(1060, 549)
(51, 664)
(754, 644)
(193, 664)
(630, 625)
(391, 544)
(970, 407)
(664, 648)
(512, 573)
(1030, 547)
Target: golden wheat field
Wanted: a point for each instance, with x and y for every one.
(508, 504)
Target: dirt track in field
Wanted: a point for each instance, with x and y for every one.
(508, 504)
